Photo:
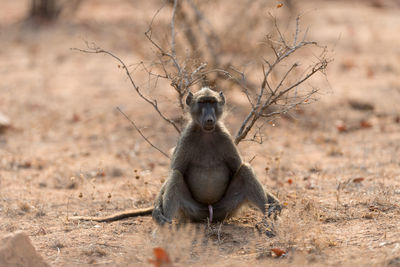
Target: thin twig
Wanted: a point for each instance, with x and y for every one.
(280, 93)
(141, 134)
(97, 50)
(148, 35)
(173, 50)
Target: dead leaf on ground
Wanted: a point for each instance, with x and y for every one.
(358, 180)
(341, 126)
(370, 72)
(365, 124)
(75, 118)
(161, 258)
(347, 64)
(278, 252)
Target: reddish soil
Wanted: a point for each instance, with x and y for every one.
(69, 152)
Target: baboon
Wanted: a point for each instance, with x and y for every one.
(208, 178)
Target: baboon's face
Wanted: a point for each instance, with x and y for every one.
(206, 108)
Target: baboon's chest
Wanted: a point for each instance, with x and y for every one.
(207, 177)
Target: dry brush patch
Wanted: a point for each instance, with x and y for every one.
(299, 239)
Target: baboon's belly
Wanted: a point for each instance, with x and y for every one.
(207, 185)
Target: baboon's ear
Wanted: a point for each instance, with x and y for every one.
(189, 99)
(222, 97)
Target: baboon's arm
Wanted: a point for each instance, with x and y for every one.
(157, 213)
(116, 216)
(231, 155)
(181, 157)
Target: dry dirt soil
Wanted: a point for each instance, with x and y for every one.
(68, 151)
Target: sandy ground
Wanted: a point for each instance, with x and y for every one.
(69, 152)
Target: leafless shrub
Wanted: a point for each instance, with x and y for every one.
(283, 86)
(286, 92)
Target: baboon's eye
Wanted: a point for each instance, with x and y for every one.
(207, 100)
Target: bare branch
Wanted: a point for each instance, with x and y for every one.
(280, 93)
(141, 134)
(282, 39)
(296, 34)
(243, 83)
(199, 68)
(148, 35)
(96, 50)
(285, 76)
(281, 88)
(318, 67)
(173, 51)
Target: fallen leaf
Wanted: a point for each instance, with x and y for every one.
(290, 181)
(341, 126)
(348, 64)
(25, 165)
(365, 124)
(358, 180)
(75, 118)
(370, 72)
(278, 252)
(332, 244)
(279, 5)
(161, 257)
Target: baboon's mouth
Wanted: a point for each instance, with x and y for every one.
(209, 128)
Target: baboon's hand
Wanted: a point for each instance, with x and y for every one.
(266, 227)
(159, 218)
(274, 209)
(162, 220)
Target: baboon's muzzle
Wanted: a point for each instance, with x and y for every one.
(209, 120)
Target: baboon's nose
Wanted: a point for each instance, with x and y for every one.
(210, 120)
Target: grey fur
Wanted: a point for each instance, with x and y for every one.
(207, 169)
